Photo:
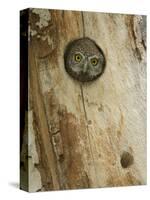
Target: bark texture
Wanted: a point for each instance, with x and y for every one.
(84, 135)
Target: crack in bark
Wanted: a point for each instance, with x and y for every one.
(85, 113)
(83, 24)
(136, 50)
(137, 42)
(143, 43)
(62, 13)
(41, 113)
(82, 95)
(55, 133)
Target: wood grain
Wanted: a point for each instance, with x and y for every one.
(86, 135)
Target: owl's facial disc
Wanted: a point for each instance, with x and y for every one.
(84, 59)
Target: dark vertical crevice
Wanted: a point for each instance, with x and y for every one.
(62, 14)
(82, 95)
(88, 132)
(83, 24)
(142, 27)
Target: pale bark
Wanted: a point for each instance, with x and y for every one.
(80, 132)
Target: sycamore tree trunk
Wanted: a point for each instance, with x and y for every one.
(79, 135)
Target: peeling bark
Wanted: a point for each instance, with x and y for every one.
(86, 135)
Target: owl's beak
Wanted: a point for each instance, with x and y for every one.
(85, 67)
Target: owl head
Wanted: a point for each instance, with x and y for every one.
(84, 60)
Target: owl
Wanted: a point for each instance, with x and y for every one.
(84, 60)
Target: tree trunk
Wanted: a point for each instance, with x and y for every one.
(84, 135)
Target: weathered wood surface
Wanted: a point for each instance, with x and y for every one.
(91, 134)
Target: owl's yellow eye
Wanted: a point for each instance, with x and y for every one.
(94, 61)
(78, 57)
